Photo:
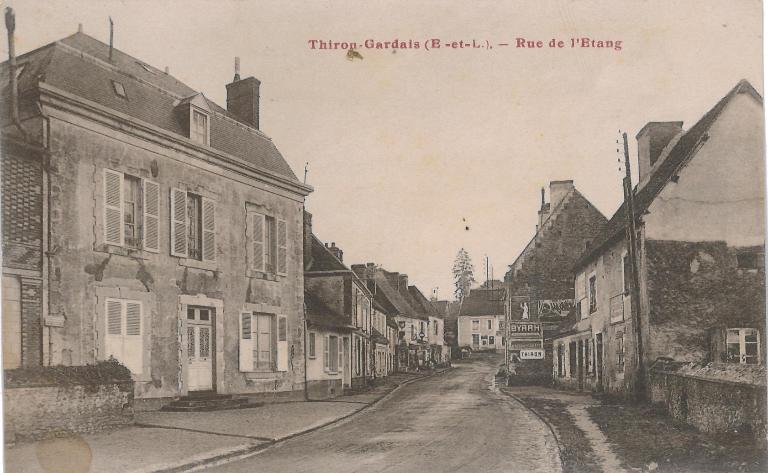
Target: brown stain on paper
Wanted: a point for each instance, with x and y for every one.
(70, 454)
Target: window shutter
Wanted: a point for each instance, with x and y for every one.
(341, 357)
(257, 243)
(246, 342)
(151, 216)
(282, 247)
(282, 343)
(327, 353)
(113, 341)
(178, 222)
(132, 343)
(209, 230)
(113, 207)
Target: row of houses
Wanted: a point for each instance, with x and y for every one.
(678, 316)
(144, 222)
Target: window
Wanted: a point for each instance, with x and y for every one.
(620, 351)
(475, 325)
(626, 271)
(489, 324)
(436, 326)
(331, 354)
(267, 250)
(560, 359)
(311, 349)
(131, 211)
(501, 325)
(592, 294)
(198, 129)
(119, 89)
(475, 339)
(193, 226)
(413, 332)
(263, 342)
(491, 340)
(123, 338)
(743, 346)
(587, 357)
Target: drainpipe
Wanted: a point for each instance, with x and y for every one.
(306, 345)
(10, 25)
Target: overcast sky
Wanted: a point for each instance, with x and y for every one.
(407, 149)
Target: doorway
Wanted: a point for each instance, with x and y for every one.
(580, 364)
(200, 348)
(599, 360)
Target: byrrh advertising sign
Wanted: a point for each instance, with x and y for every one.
(524, 328)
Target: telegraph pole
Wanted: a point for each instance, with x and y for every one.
(629, 204)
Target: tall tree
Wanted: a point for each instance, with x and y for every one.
(463, 274)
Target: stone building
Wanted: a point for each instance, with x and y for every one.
(173, 227)
(481, 320)
(539, 284)
(700, 205)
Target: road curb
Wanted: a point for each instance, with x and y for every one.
(252, 450)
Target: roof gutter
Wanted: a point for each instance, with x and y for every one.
(10, 25)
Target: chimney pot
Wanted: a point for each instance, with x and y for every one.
(79, 27)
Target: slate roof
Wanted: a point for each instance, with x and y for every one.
(677, 157)
(483, 302)
(152, 96)
(424, 304)
(388, 298)
(322, 259)
(321, 316)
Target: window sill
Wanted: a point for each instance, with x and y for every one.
(197, 264)
(262, 275)
(121, 251)
(256, 375)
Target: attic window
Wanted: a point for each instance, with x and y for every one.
(199, 129)
(119, 89)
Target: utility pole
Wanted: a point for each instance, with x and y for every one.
(629, 204)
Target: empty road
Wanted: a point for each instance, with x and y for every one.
(447, 423)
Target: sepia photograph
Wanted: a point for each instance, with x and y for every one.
(388, 236)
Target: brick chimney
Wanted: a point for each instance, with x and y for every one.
(336, 251)
(243, 98)
(558, 190)
(651, 141)
(402, 282)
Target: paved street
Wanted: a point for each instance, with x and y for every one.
(451, 422)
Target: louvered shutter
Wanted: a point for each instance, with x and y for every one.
(341, 358)
(209, 230)
(151, 216)
(327, 352)
(246, 342)
(113, 340)
(113, 207)
(178, 222)
(257, 242)
(132, 341)
(282, 247)
(282, 343)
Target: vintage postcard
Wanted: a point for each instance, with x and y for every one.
(387, 236)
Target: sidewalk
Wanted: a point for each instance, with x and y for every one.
(176, 441)
(596, 436)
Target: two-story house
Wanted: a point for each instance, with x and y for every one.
(481, 320)
(174, 227)
(699, 207)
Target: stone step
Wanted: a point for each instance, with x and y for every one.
(208, 404)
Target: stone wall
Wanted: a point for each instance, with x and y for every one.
(35, 412)
(714, 406)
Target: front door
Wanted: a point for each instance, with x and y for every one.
(200, 348)
(346, 373)
(599, 360)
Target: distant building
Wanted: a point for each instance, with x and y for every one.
(481, 320)
(539, 284)
(699, 205)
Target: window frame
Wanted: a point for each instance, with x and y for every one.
(620, 352)
(142, 210)
(312, 345)
(592, 292)
(193, 134)
(123, 335)
(475, 325)
(741, 333)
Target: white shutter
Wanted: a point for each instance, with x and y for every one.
(257, 243)
(113, 207)
(282, 247)
(282, 343)
(326, 353)
(341, 357)
(151, 216)
(209, 230)
(178, 215)
(246, 342)
(132, 342)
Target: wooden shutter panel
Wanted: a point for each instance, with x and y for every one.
(113, 207)
(151, 216)
(209, 230)
(178, 222)
(282, 247)
(246, 342)
(132, 342)
(257, 243)
(113, 340)
(327, 353)
(282, 343)
(341, 358)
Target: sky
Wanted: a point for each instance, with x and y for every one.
(414, 154)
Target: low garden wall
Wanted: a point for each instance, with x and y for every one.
(50, 401)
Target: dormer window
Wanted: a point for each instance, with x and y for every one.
(119, 89)
(198, 127)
